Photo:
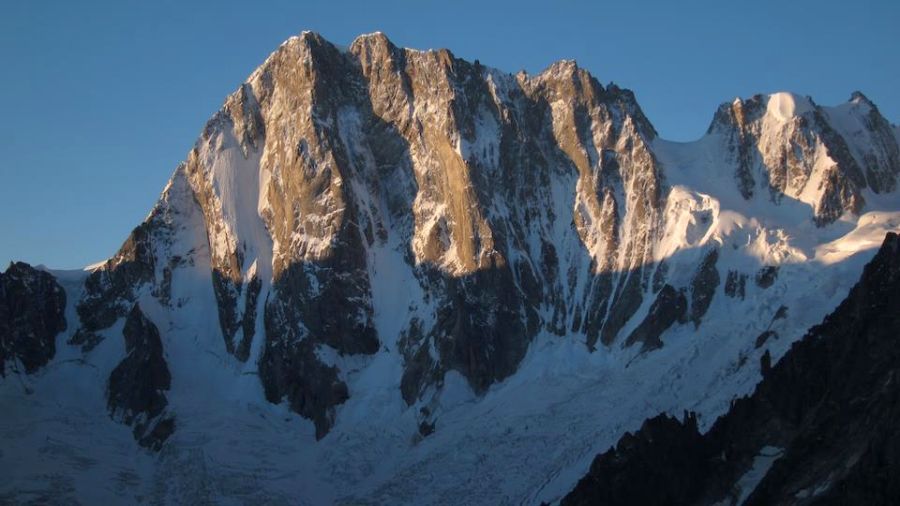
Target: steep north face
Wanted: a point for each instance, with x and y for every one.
(395, 249)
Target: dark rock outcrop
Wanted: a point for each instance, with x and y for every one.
(703, 286)
(765, 336)
(736, 284)
(479, 332)
(314, 305)
(766, 276)
(821, 428)
(109, 291)
(769, 333)
(664, 463)
(136, 390)
(292, 370)
(248, 323)
(32, 313)
(670, 306)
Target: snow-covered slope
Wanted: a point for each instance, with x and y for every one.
(393, 276)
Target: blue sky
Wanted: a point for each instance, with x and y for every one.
(102, 99)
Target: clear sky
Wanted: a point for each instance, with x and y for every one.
(102, 99)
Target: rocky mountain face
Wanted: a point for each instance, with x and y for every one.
(386, 238)
(135, 392)
(480, 183)
(518, 203)
(819, 429)
(32, 307)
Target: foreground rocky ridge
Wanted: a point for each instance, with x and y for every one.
(819, 429)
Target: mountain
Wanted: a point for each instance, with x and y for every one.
(394, 276)
(819, 429)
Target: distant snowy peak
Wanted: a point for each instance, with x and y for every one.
(785, 145)
(870, 139)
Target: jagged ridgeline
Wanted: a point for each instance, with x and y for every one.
(405, 248)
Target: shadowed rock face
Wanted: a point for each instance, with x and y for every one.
(110, 291)
(821, 428)
(736, 284)
(32, 313)
(703, 286)
(670, 306)
(290, 369)
(766, 276)
(506, 206)
(136, 390)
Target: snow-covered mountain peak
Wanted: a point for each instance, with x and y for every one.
(372, 253)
